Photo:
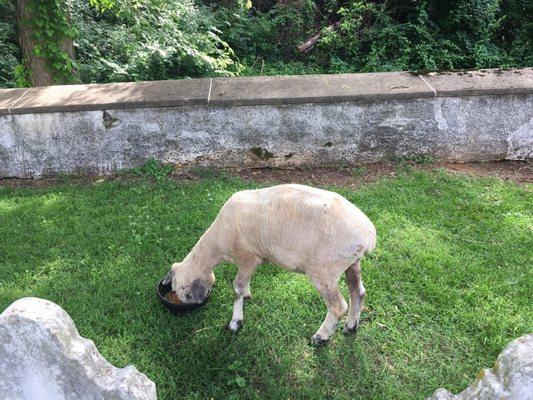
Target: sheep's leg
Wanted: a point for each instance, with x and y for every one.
(357, 296)
(246, 291)
(241, 286)
(336, 309)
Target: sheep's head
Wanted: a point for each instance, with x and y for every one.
(190, 286)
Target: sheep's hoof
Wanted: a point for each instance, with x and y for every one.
(350, 330)
(234, 326)
(247, 296)
(318, 340)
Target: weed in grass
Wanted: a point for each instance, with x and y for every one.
(448, 286)
(153, 169)
(420, 159)
(358, 171)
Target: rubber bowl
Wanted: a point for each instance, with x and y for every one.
(180, 308)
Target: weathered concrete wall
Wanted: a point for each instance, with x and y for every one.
(338, 120)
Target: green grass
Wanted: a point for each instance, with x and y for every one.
(449, 284)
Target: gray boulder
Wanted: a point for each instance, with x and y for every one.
(42, 357)
(511, 378)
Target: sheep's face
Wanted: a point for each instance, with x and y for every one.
(190, 286)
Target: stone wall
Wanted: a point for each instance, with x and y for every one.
(267, 121)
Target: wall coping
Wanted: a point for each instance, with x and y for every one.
(265, 90)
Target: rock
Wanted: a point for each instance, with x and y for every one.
(98, 181)
(511, 378)
(43, 357)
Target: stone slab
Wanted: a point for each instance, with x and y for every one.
(317, 88)
(8, 97)
(511, 378)
(58, 98)
(267, 90)
(42, 357)
(482, 82)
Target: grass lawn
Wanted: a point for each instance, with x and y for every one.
(449, 285)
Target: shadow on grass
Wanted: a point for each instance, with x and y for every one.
(448, 287)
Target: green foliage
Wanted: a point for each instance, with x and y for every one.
(375, 37)
(9, 52)
(399, 35)
(149, 40)
(22, 76)
(50, 25)
(358, 171)
(152, 169)
(515, 31)
(448, 286)
(423, 159)
(248, 34)
(122, 40)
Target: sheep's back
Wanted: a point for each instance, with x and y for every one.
(295, 225)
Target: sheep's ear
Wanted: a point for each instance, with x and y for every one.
(169, 277)
(198, 290)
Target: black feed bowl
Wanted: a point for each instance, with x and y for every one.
(162, 290)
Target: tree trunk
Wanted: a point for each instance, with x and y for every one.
(40, 72)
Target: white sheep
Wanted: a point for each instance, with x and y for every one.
(297, 227)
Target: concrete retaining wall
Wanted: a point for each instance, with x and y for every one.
(353, 118)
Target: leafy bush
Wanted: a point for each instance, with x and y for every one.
(271, 35)
(9, 52)
(399, 35)
(151, 40)
(121, 40)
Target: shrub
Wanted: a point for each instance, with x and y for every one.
(9, 52)
(121, 40)
(154, 40)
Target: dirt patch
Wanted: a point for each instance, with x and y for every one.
(47, 181)
(350, 176)
(518, 171)
(320, 176)
(338, 175)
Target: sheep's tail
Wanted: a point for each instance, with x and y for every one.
(370, 239)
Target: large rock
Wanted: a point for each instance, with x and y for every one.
(511, 378)
(42, 357)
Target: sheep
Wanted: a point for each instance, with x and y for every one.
(297, 227)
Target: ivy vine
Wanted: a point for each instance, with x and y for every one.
(50, 25)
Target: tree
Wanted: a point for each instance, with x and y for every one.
(46, 41)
